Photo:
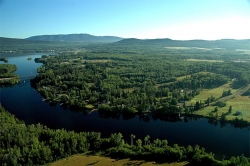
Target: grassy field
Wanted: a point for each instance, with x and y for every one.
(188, 76)
(89, 106)
(83, 160)
(98, 60)
(204, 60)
(181, 78)
(216, 92)
(239, 103)
(188, 48)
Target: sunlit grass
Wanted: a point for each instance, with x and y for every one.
(83, 160)
(215, 92)
(204, 60)
(182, 77)
(239, 103)
(98, 60)
(188, 76)
(89, 106)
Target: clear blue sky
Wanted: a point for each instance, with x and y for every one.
(175, 19)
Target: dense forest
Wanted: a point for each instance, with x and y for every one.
(36, 144)
(140, 81)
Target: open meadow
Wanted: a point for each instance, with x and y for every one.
(82, 160)
(215, 92)
(239, 104)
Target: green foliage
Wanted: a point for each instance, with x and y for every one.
(36, 144)
(220, 104)
(226, 93)
(247, 93)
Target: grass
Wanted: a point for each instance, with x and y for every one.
(243, 50)
(98, 60)
(204, 60)
(89, 106)
(183, 77)
(188, 76)
(239, 103)
(188, 48)
(216, 92)
(83, 160)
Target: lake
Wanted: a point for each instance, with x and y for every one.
(27, 104)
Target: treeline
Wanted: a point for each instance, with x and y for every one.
(23, 144)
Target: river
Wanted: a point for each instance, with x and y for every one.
(27, 104)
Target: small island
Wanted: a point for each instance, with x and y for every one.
(29, 58)
(4, 59)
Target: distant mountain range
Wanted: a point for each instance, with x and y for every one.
(76, 38)
(85, 41)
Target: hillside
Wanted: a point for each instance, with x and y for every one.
(76, 38)
(23, 45)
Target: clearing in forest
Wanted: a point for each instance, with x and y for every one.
(204, 60)
(215, 92)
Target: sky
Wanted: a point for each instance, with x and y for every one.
(143, 19)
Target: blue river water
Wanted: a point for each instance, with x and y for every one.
(27, 104)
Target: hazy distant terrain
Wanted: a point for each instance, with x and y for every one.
(76, 42)
(230, 44)
(76, 38)
(23, 45)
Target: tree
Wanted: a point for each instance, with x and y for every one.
(174, 101)
(138, 144)
(216, 109)
(157, 142)
(132, 138)
(146, 139)
(230, 109)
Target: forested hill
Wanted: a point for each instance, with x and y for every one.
(76, 38)
(7, 41)
(229, 44)
(23, 45)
